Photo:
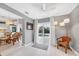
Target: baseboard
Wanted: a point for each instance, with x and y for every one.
(25, 45)
(29, 44)
(75, 51)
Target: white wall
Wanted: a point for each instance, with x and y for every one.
(60, 30)
(75, 34)
(28, 33)
(74, 28)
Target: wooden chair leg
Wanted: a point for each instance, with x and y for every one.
(13, 43)
(8, 41)
(14, 40)
(65, 49)
(69, 48)
(57, 46)
(18, 39)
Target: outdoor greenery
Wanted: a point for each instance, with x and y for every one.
(46, 31)
(41, 29)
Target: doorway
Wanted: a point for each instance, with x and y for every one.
(43, 36)
(43, 33)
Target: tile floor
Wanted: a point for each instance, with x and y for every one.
(18, 50)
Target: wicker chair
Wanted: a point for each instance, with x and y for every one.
(64, 42)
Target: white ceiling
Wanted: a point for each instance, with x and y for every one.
(35, 10)
(6, 14)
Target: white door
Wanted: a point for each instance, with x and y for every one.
(43, 33)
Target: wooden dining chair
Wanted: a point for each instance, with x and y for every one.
(7, 36)
(5, 39)
(18, 36)
(15, 37)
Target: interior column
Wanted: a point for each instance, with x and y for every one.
(52, 41)
(23, 32)
(35, 30)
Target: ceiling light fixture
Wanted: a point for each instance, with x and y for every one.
(55, 22)
(62, 24)
(66, 20)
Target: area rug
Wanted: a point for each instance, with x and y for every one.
(40, 46)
